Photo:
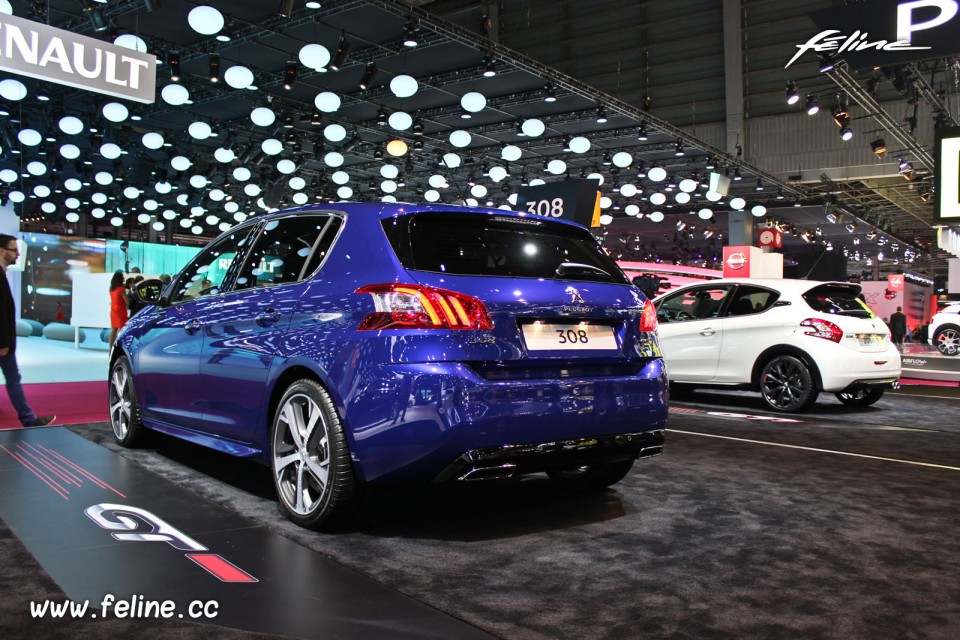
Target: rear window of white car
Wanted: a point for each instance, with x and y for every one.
(839, 299)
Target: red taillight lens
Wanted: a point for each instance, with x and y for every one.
(412, 306)
(822, 329)
(648, 319)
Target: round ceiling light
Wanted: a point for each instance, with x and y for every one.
(511, 153)
(437, 181)
(657, 198)
(631, 210)
(116, 221)
(163, 187)
(198, 181)
(334, 132)
(314, 56)
(759, 211)
(271, 146)
(536, 182)
(9, 175)
(688, 185)
(17, 196)
(738, 203)
(70, 151)
(400, 120)
(327, 101)
(131, 193)
(333, 159)
(452, 160)
(297, 183)
(397, 148)
(656, 216)
(70, 125)
(596, 176)
(143, 218)
(556, 167)
(605, 202)
(73, 216)
(533, 127)
(158, 226)
(231, 207)
(152, 140)
(705, 214)
(72, 203)
(241, 174)
(41, 191)
(36, 168)
(404, 86)
(199, 130)
(460, 138)
(713, 196)
(497, 173)
(238, 77)
(263, 117)
(180, 163)
(657, 174)
(340, 177)
(205, 20)
(216, 195)
(606, 219)
(431, 195)
(579, 144)
(169, 214)
(29, 137)
(300, 198)
(115, 112)
(150, 205)
(682, 197)
(13, 90)
(473, 101)
(99, 198)
(251, 190)
(388, 186)
(224, 155)
(175, 94)
(622, 159)
(478, 190)
(345, 193)
(389, 171)
(130, 41)
(628, 190)
(110, 151)
(286, 167)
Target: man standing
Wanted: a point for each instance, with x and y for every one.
(8, 340)
(898, 327)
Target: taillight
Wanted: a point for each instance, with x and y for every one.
(648, 319)
(822, 329)
(412, 306)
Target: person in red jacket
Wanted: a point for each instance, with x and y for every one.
(118, 305)
(8, 340)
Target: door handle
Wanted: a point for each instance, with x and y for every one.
(708, 332)
(267, 318)
(192, 327)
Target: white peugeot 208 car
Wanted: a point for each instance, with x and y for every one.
(787, 339)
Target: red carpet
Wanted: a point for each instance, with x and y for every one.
(71, 402)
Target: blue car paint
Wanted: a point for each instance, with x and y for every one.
(412, 401)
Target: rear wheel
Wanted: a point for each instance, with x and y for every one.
(596, 476)
(947, 340)
(787, 384)
(860, 397)
(125, 420)
(311, 462)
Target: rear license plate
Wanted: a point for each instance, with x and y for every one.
(549, 336)
(870, 339)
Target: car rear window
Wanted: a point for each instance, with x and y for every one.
(479, 245)
(839, 299)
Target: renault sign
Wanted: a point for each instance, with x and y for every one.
(40, 51)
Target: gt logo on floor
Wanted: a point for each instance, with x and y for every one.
(744, 416)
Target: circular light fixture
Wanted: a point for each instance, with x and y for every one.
(130, 41)
(175, 94)
(41, 191)
(682, 197)
(72, 203)
(334, 132)
(533, 127)
(388, 198)
(198, 181)
(231, 207)
(333, 159)
(73, 216)
(556, 167)
(224, 155)
(688, 185)
(199, 130)
(622, 159)
(596, 176)
(656, 216)
(340, 177)
(400, 120)
(431, 195)
(437, 181)
(314, 56)
(631, 210)
(628, 190)
(657, 174)
(758, 211)
(216, 195)
(713, 196)
(298, 198)
(17, 196)
(497, 173)
(327, 101)
(143, 218)
(29, 137)
(536, 182)
(263, 116)
(36, 168)
(180, 163)
(169, 214)
(451, 160)
(110, 151)
(238, 77)
(70, 151)
(131, 193)
(205, 20)
(103, 178)
(511, 153)
(388, 186)
(389, 171)
(70, 125)
(251, 190)
(478, 190)
(473, 101)
(345, 193)
(99, 198)
(297, 183)
(657, 199)
(13, 90)
(738, 203)
(705, 214)
(116, 221)
(286, 167)
(606, 219)
(9, 175)
(163, 187)
(605, 202)
(152, 140)
(397, 148)
(241, 174)
(115, 112)
(460, 138)
(579, 144)
(404, 86)
(271, 146)
(158, 226)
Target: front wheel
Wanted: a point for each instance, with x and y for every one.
(947, 340)
(596, 476)
(312, 471)
(125, 420)
(787, 384)
(860, 397)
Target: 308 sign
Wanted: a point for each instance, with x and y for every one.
(546, 208)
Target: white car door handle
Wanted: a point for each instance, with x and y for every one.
(708, 332)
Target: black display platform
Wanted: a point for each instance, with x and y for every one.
(102, 526)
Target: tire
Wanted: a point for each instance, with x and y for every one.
(597, 476)
(947, 340)
(128, 429)
(787, 385)
(309, 450)
(860, 397)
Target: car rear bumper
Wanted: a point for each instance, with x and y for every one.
(427, 422)
(859, 370)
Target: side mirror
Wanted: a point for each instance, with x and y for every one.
(148, 291)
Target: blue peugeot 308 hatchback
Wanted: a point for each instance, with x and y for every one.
(350, 344)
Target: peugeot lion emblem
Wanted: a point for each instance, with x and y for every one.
(575, 296)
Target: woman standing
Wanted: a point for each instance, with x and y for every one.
(118, 305)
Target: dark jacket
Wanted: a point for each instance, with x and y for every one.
(8, 315)
(898, 324)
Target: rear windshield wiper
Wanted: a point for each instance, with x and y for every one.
(578, 268)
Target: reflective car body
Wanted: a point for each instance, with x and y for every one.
(307, 294)
(725, 333)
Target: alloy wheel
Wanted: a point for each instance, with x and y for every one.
(121, 407)
(948, 341)
(785, 384)
(301, 455)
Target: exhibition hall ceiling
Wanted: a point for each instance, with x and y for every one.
(251, 114)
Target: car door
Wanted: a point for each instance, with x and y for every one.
(750, 325)
(169, 349)
(691, 331)
(243, 333)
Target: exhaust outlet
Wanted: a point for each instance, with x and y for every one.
(490, 473)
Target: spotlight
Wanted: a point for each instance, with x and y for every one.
(601, 114)
(607, 160)
(793, 97)
(907, 170)
(841, 116)
(290, 75)
(924, 193)
(315, 118)
(678, 150)
(872, 235)
(341, 54)
(96, 16)
(214, 67)
(489, 67)
(642, 132)
(368, 75)
(846, 134)
(813, 104)
(827, 62)
(286, 8)
(736, 175)
(549, 93)
(382, 120)
(410, 35)
(681, 225)
(851, 226)
(879, 147)
(759, 186)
